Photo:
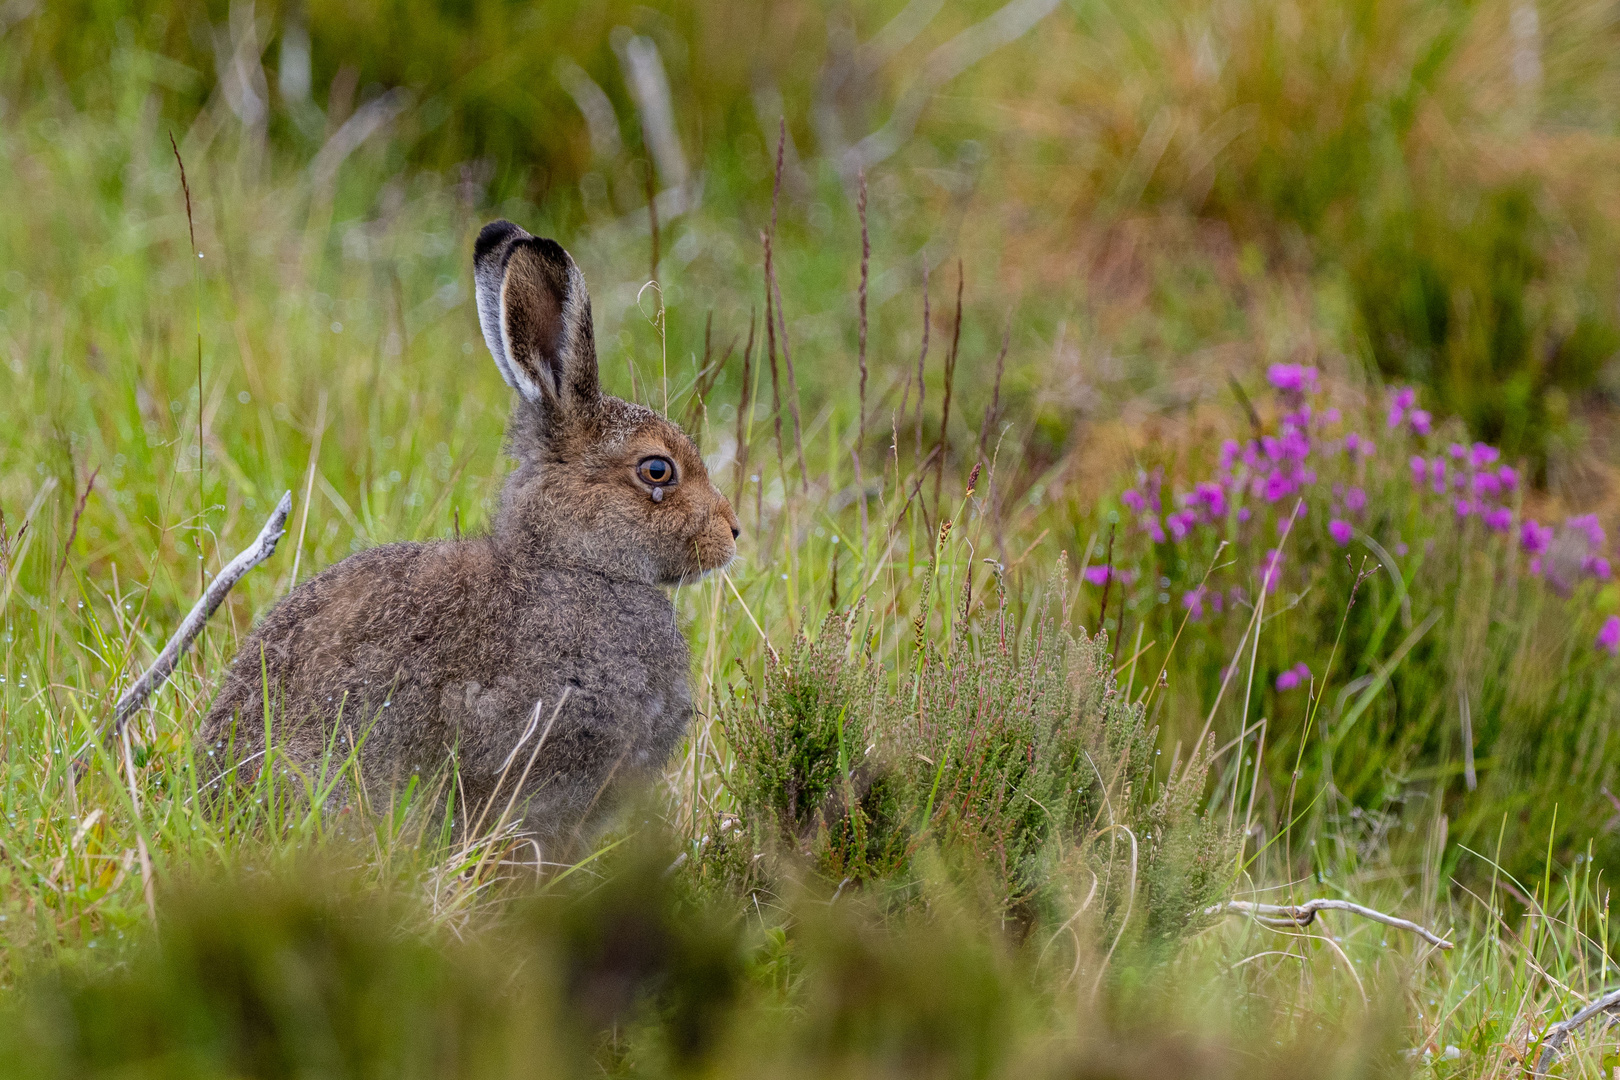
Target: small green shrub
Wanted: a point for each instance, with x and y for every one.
(1016, 761)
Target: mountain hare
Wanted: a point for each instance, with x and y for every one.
(554, 631)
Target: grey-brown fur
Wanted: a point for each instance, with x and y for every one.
(428, 650)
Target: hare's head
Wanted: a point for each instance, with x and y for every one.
(601, 483)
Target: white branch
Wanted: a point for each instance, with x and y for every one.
(1552, 1040)
(251, 556)
(1304, 914)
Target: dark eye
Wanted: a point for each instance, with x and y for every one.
(656, 471)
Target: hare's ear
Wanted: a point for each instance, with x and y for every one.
(536, 316)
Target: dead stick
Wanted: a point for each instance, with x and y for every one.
(1552, 1040)
(1304, 914)
(251, 556)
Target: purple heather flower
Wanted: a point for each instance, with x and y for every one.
(1271, 570)
(1421, 421)
(1341, 531)
(1535, 538)
(1291, 378)
(1298, 675)
(1484, 455)
(1487, 484)
(1464, 507)
(1587, 524)
(1277, 487)
(1355, 444)
(1244, 513)
(1355, 500)
(1596, 566)
(1457, 450)
(1509, 476)
(1213, 496)
(1402, 400)
(1420, 469)
(1608, 638)
(1193, 601)
(1133, 499)
(1499, 520)
(1437, 474)
(1100, 575)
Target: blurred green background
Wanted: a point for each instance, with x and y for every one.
(1442, 170)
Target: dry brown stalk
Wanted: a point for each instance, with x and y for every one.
(866, 260)
(770, 352)
(950, 378)
(774, 289)
(793, 383)
(744, 404)
(922, 361)
(78, 512)
(992, 412)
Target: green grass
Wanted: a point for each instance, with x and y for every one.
(1013, 879)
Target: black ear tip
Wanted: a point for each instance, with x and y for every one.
(493, 235)
(552, 250)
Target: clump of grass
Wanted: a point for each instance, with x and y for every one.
(1015, 758)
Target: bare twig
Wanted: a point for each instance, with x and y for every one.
(251, 556)
(1553, 1039)
(1305, 914)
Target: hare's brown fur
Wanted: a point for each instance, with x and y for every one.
(456, 653)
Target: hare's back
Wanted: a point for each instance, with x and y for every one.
(382, 627)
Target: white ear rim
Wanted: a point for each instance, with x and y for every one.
(489, 288)
(515, 376)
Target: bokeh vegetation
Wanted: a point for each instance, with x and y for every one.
(970, 770)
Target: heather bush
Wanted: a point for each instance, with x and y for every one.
(1468, 661)
(1014, 759)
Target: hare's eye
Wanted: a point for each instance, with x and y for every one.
(656, 471)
